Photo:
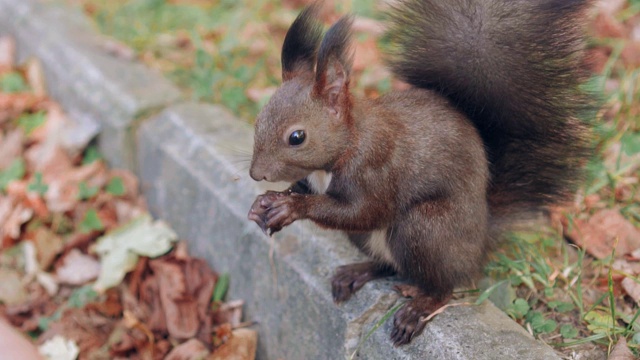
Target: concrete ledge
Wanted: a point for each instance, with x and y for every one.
(101, 91)
(194, 174)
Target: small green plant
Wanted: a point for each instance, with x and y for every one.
(15, 171)
(30, 122)
(13, 82)
(86, 192)
(539, 323)
(91, 222)
(568, 331)
(115, 186)
(221, 287)
(91, 154)
(82, 296)
(78, 299)
(37, 185)
(519, 309)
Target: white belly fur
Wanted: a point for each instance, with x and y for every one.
(319, 181)
(379, 248)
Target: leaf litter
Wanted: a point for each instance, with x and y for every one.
(84, 269)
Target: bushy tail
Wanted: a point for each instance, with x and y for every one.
(515, 67)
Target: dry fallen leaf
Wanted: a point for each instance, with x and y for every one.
(120, 249)
(7, 52)
(629, 268)
(6, 208)
(189, 350)
(10, 147)
(241, 346)
(64, 188)
(14, 104)
(126, 211)
(12, 291)
(35, 76)
(77, 268)
(52, 163)
(88, 329)
(179, 307)
(150, 299)
(25, 315)
(48, 245)
(185, 289)
(599, 234)
(33, 269)
(59, 348)
(607, 26)
(230, 312)
(611, 6)
(621, 351)
(632, 288)
(12, 223)
(631, 53)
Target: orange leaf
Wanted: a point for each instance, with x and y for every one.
(599, 234)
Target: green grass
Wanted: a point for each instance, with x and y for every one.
(217, 51)
(547, 279)
(201, 47)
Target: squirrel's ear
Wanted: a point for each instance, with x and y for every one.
(301, 43)
(334, 66)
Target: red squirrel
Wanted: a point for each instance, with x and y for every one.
(426, 180)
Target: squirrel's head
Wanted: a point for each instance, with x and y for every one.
(306, 125)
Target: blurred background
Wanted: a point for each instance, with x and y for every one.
(228, 51)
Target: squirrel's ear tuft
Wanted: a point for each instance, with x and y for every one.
(301, 43)
(333, 67)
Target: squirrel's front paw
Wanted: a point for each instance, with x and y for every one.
(283, 212)
(261, 207)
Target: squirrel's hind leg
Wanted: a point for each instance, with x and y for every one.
(350, 278)
(439, 245)
(409, 321)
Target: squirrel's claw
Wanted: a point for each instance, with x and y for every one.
(281, 213)
(261, 208)
(258, 219)
(410, 320)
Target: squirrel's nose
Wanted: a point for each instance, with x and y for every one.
(256, 176)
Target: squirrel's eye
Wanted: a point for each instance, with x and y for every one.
(296, 138)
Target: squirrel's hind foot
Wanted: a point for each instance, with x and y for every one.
(350, 278)
(410, 320)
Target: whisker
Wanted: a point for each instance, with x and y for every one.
(242, 151)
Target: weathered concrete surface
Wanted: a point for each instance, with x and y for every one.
(99, 90)
(193, 166)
